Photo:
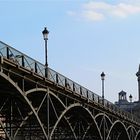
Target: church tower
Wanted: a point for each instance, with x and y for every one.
(138, 75)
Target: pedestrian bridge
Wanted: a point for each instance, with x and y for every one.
(38, 103)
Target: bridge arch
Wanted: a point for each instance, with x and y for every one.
(104, 123)
(132, 132)
(21, 93)
(74, 107)
(138, 135)
(45, 91)
(118, 131)
(105, 115)
(57, 99)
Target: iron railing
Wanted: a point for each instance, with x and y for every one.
(27, 62)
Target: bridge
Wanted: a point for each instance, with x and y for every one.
(38, 103)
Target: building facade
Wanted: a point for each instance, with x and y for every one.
(128, 105)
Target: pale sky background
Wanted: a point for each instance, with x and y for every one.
(86, 37)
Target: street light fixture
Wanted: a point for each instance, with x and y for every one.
(103, 78)
(45, 33)
(130, 98)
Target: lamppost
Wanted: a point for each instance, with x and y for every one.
(130, 98)
(103, 78)
(45, 33)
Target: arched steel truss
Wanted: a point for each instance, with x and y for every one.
(66, 120)
(33, 107)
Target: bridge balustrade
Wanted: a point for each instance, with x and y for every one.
(90, 96)
(77, 88)
(25, 61)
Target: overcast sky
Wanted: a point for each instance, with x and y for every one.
(86, 37)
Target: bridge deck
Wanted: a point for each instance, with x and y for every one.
(29, 73)
(24, 62)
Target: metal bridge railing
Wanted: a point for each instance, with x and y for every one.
(25, 61)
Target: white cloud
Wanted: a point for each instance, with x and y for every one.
(96, 6)
(125, 10)
(95, 11)
(93, 16)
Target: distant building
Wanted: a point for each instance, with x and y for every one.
(123, 103)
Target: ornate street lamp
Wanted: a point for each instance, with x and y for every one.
(103, 78)
(130, 98)
(45, 33)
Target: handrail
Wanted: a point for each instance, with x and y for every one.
(35, 66)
